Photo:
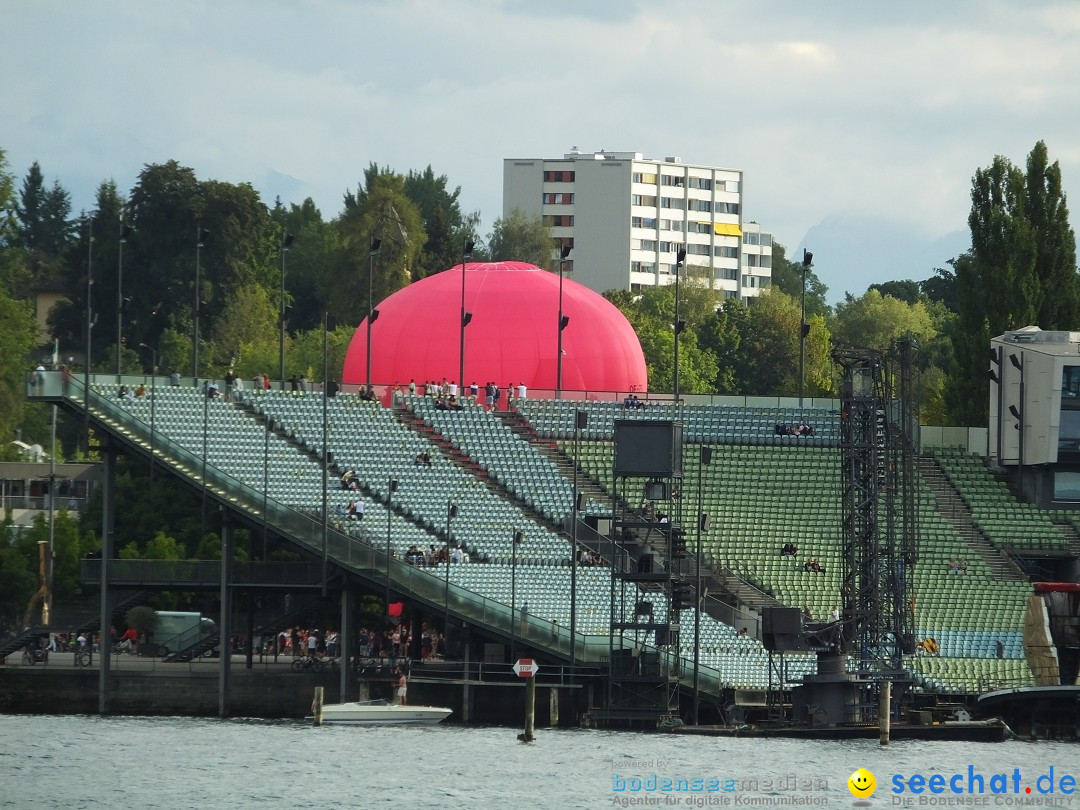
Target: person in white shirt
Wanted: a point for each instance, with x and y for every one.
(521, 392)
(452, 389)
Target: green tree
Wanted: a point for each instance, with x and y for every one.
(18, 336)
(651, 313)
(874, 321)
(764, 360)
(1021, 270)
(246, 332)
(521, 238)
(383, 212)
(906, 290)
(18, 572)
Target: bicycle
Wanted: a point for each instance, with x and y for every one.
(82, 658)
(36, 656)
(311, 662)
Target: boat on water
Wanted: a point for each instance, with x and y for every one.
(382, 713)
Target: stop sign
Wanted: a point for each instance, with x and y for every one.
(526, 668)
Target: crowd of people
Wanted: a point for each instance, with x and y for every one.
(813, 566)
(801, 429)
(958, 566)
(435, 556)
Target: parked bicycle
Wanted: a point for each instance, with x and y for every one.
(37, 655)
(313, 664)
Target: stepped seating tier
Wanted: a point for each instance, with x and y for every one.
(1008, 523)
(761, 491)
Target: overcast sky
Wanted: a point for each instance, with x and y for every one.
(858, 124)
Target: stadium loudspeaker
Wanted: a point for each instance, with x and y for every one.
(581, 419)
(781, 620)
(656, 491)
(581, 502)
(648, 448)
(703, 522)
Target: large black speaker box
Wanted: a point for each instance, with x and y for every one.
(648, 448)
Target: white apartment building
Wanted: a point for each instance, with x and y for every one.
(626, 217)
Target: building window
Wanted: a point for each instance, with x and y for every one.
(698, 250)
(670, 247)
(672, 202)
(561, 242)
(751, 238)
(559, 177)
(667, 269)
(642, 267)
(671, 225)
(699, 227)
(750, 259)
(727, 273)
(725, 252)
(643, 222)
(727, 208)
(558, 220)
(643, 199)
(647, 178)
(676, 180)
(729, 294)
(558, 198)
(698, 205)
(766, 239)
(749, 281)
(701, 182)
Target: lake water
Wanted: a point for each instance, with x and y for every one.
(92, 762)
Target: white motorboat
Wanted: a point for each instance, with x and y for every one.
(382, 713)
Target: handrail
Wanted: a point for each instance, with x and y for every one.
(347, 552)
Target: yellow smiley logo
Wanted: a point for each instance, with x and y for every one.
(862, 784)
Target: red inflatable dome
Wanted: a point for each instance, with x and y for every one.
(512, 337)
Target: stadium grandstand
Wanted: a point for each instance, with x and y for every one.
(508, 473)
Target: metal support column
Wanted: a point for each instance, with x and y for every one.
(346, 640)
(108, 551)
(225, 661)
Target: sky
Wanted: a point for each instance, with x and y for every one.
(858, 125)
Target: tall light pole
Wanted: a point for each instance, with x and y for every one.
(804, 328)
(466, 252)
(680, 260)
(391, 489)
(201, 235)
(515, 540)
(286, 243)
(372, 313)
(451, 513)
(89, 327)
(563, 321)
(125, 232)
(325, 451)
(153, 403)
(581, 419)
(704, 459)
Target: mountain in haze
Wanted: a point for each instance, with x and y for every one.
(851, 252)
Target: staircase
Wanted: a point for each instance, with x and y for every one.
(1070, 534)
(471, 466)
(957, 514)
(587, 486)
